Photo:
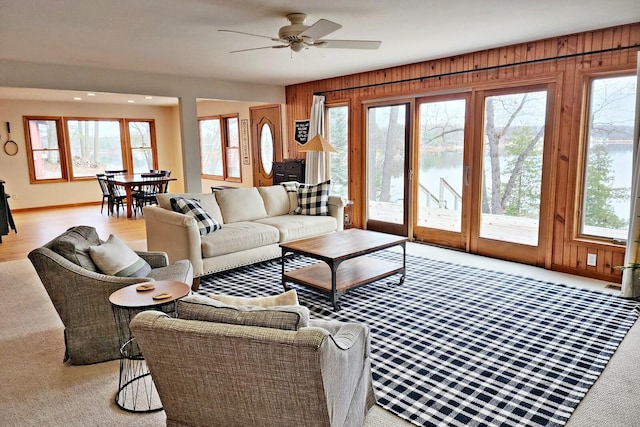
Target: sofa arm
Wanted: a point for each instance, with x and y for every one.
(336, 210)
(174, 233)
(347, 371)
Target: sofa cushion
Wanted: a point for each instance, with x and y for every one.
(313, 199)
(241, 204)
(238, 236)
(289, 297)
(206, 200)
(198, 307)
(115, 258)
(206, 224)
(293, 227)
(276, 200)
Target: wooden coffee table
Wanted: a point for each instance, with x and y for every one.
(345, 264)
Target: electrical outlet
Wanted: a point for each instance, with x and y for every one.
(591, 259)
(15, 196)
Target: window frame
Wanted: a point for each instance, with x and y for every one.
(582, 157)
(225, 147)
(33, 179)
(152, 143)
(332, 156)
(64, 145)
(123, 142)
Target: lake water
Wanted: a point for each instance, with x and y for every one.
(449, 167)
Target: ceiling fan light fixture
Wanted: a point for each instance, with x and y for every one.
(299, 36)
(298, 46)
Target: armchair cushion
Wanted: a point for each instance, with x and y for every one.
(115, 258)
(198, 307)
(313, 199)
(289, 297)
(74, 244)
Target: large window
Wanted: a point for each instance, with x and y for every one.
(44, 141)
(337, 119)
(88, 146)
(220, 147)
(608, 157)
(142, 145)
(95, 145)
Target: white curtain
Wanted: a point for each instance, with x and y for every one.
(316, 162)
(630, 287)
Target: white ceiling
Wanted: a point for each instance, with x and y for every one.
(180, 36)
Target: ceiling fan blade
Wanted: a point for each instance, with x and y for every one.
(250, 34)
(320, 29)
(348, 44)
(280, 46)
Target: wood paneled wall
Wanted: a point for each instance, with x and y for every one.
(565, 252)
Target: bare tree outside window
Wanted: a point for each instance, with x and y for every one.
(606, 185)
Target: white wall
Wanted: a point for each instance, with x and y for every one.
(186, 89)
(14, 170)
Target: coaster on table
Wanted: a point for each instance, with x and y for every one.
(145, 287)
(162, 295)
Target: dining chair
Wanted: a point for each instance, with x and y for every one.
(146, 193)
(104, 187)
(117, 196)
(116, 172)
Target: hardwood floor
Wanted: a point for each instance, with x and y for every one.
(37, 227)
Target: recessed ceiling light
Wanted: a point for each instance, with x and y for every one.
(131, 101)
(91, 94)
(148, 97)
(77, 98)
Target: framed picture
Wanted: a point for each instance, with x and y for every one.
(244, 138)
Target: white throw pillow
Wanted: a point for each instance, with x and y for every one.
(115, 258)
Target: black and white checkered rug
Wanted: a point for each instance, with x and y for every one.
(460, 346)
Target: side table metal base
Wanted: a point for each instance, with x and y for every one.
(136, 390)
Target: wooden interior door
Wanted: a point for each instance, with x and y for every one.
(266, 142)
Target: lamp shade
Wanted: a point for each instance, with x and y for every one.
(318, 143)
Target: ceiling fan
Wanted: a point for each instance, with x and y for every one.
(299, 36)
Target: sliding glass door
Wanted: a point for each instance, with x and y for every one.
(388, 172)
(440, 184)
(509, 220)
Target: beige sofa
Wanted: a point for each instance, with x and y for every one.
(254, 221)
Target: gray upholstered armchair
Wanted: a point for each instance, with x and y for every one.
(254, 366)
(80, 292)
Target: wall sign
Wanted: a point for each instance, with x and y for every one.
(244, 137)
(301, 131)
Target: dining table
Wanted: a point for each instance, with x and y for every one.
(130, 182)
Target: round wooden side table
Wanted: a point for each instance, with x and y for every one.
(136, 390)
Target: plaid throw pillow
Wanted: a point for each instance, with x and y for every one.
(313, 199)
(205, 223)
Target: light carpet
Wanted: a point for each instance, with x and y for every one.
(37, 389)
(462, 346)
